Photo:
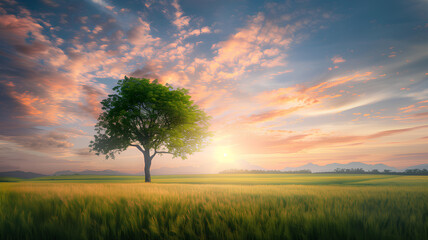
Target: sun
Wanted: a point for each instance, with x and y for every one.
(224, 154)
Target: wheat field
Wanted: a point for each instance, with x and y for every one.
(94, 207)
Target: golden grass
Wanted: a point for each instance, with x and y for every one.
(51, 210)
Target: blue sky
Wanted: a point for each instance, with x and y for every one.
(286, 82)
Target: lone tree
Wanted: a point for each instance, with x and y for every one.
(154, 118)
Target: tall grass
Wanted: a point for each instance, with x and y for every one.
(45, 210)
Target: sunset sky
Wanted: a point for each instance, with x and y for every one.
(286, 82)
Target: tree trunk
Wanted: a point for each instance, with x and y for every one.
(147, 164)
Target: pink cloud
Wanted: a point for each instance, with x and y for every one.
(195, 32)
(338, 59)
(282, 72)
(269, 143)
(139, 34)
(180, 20)
(338, 81)
(261, 44)
(92, 97)
(269, 115)
(421, 105)
(97, 29)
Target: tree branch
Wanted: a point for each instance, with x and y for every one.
(156, 152)
(165, 152)
(139, 147)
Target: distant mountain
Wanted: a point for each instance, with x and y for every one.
(421, 166)
(21, 174)
(332, 166)
(91, 172)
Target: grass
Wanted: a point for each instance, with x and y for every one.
(251, 206)
(250, 179)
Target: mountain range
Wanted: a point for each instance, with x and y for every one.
(107, 172)
(20, 174)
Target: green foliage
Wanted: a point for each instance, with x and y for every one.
(152, 115)
(50, 210)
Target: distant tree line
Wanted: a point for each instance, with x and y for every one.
(386, 171)
(337, 170)
(416, 171)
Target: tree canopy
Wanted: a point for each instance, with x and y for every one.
(153, 117)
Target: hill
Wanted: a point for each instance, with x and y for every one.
(20, 174)
(91, 172)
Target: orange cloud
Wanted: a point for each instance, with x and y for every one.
(265, 143)
(304, 97)
(338, 59)
(416, 117)
(337, 81)
(415, 107)
(270, 115)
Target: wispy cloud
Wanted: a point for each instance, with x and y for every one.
(338, 59)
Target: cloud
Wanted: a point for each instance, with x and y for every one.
(139, 34)
(92, 97)
(418, 106)
(53, 141)
(416, 117)
(337, 59)
(41, 86)
(256, 142)
(83, 152)
(150, 70)
(195, 32)
(51, 3)
(261, 45)
(405, 160)
(321, 87)
(305, 97)
(347, 105)
(180, 20)
(269, 115)
(101, 3)
(16, 159)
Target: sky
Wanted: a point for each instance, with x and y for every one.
(286, 83)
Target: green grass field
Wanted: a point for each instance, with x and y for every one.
(250, 206)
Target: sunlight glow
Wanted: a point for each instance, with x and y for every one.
(224, 155)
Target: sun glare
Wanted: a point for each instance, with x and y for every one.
(224, 155)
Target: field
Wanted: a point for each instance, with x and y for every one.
(259, 206)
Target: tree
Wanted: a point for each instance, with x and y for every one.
(154, 118)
